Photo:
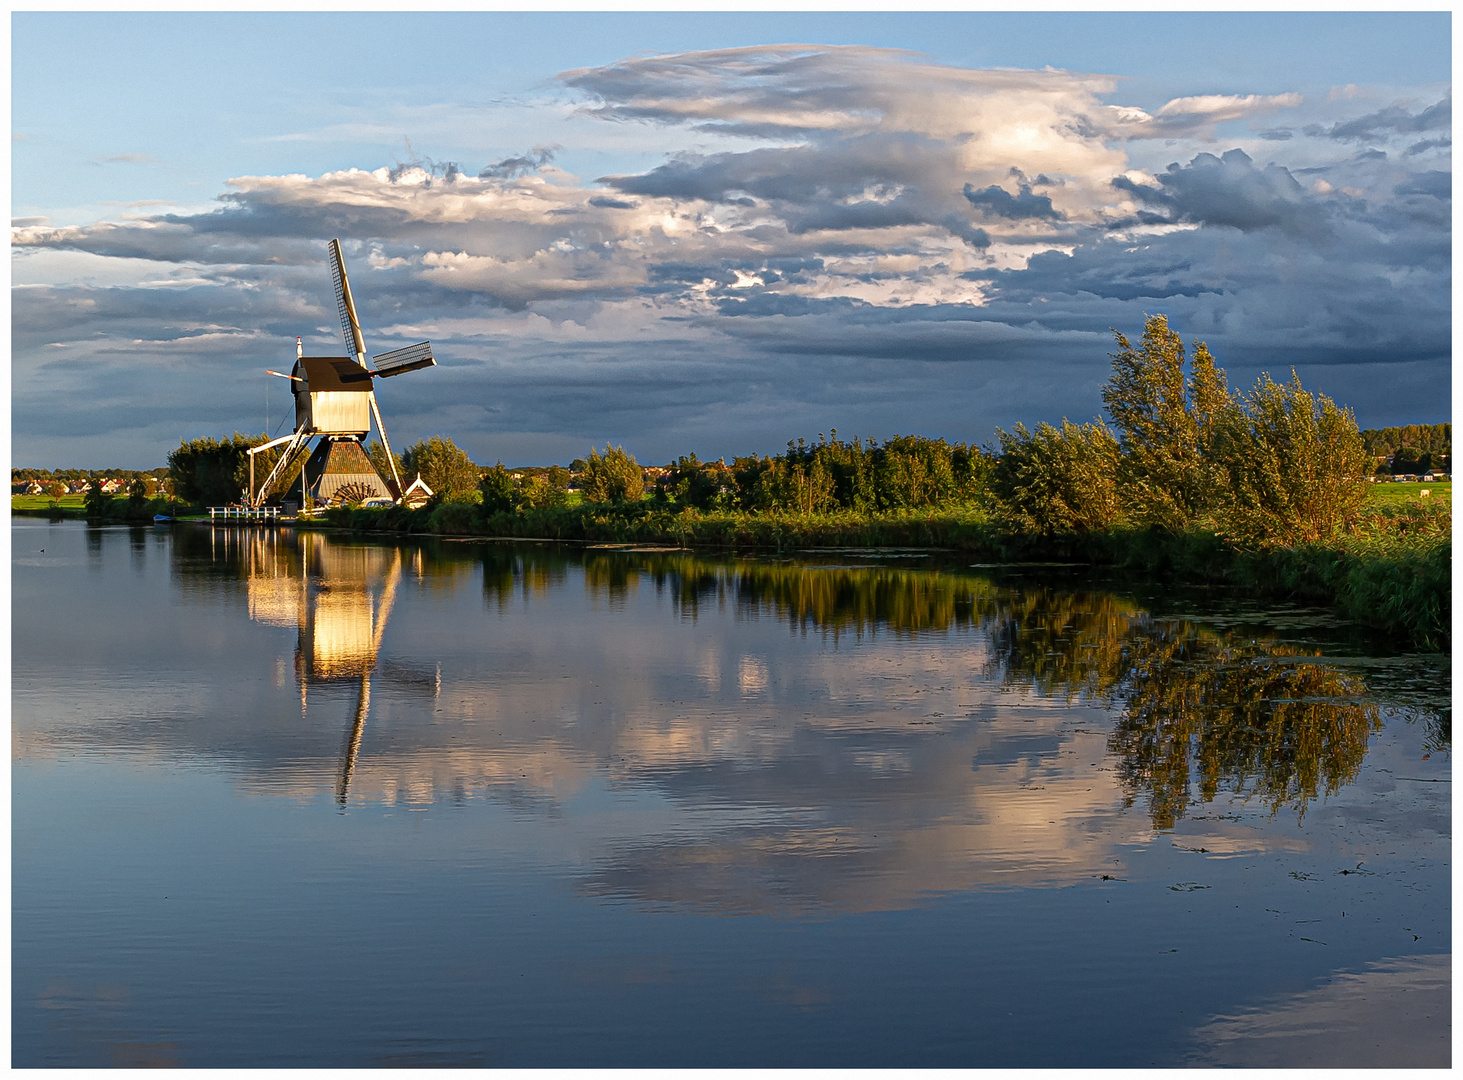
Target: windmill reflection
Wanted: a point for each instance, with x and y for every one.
(339, 598)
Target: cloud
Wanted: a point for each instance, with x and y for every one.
(130, 159)
(1229, 191)
(998, 202)
(1194, 116)
(859, 240)
(510, 167)
(1395, 119)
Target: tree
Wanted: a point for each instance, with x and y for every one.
(215, 472)
(500, 494)
(57, 490)
(96, 502)
(1166, 422)
(615, 477)
(376, 452)
(1295, 466)
(137, 492)
(705, 485)
(445, 468)
(1058, 480)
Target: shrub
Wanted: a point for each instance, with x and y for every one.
(1294, 465)
(443, 466)
(1166, 421)
(614, 478)
(1058, 480)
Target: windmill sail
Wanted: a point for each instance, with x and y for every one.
(350, 325)
(408, 359)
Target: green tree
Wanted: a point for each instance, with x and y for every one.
(1166, 420)
(215, 472)
(1295, 466)
(96, 502)
(376, 453)
(1058, 480)
(705, 485)
(543, 489)
(137, 493)
(57, 490)
(614, 477)
(445, 468)
(499, 492)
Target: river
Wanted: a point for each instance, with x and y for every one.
(288, 799)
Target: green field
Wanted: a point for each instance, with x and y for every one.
(1399, 494)
(44, 502)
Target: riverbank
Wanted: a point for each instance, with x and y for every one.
(1393, 573)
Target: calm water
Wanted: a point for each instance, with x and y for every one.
(285, 800)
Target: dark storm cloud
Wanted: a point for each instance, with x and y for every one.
(1230, 191)
(999, 202)
(1437, 184)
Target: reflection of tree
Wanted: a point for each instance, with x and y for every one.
(1254, 716)
(1246, 714)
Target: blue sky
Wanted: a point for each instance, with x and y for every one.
(723, 250)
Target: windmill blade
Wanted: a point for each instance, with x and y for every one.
(350, 325)
(408, 359)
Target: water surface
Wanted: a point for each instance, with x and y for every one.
(284, 799)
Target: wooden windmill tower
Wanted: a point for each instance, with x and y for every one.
(335, 401)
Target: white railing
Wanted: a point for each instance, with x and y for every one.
(243, 513)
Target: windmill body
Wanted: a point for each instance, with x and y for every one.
(335, 401)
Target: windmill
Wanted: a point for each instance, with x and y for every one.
(335, 401)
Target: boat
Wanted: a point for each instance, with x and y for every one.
(161, 519)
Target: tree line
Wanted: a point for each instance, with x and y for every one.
(1179, 450)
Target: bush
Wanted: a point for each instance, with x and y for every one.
(614, 478)
(443, 466)
(1166, 420)
(1058, 480)
(1294, 465)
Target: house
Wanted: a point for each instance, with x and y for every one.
(417, 493)
(111, 487)
(35, 488)
(79, 487)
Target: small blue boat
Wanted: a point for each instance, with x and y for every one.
(161, 519)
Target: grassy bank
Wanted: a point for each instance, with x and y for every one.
(1394, 572)
(117, 510)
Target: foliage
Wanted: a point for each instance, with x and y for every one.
(704, 485)
(1294, 466)
(505, 492)
(1058, 480)
(499, 492)
(445, 468)
(905, 472)
(1421, 438)
(376, 453)
(615, 477)
(215, 472)
(95, 502)
(1166, 420)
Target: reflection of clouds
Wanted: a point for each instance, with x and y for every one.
(1395, 1014)
(751, 675)
(827, 737)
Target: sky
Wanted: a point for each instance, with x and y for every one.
(715, 233)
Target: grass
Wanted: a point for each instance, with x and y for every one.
(44, 502)
(1382, 495)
